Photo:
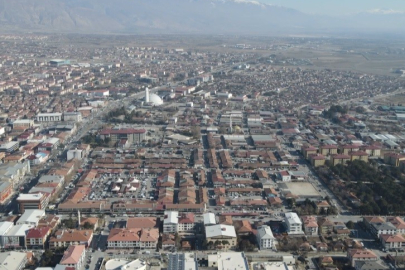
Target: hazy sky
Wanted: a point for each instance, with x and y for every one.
(340, 7)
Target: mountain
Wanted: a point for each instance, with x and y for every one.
(178, 16)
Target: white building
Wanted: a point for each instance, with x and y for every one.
(72, 116)
(13, 260)
(16, 236)
(77, 154)
(265, 237)
(293, 222)
(5, 227)
(228, 261)
(49, 117)
(209, 219)
(31, 217)
(119, 264)
(170, 222)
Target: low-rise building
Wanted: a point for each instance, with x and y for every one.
(170, 222)
(65, 238)
(293, 222)
(37, 237)
(133, 238)
(392, 241)
(265, 238)
(31, 217)
(310, 225)
(356, 255)
(221, 236)
(74, 257)
(13, 260)
(32, 201)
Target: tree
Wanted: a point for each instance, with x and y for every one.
(88, 226)
(47, 258)
(196, 132)
(350, 225)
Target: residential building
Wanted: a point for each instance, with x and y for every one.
(293, 222)
(74, 257)
(65, 238)
(129, 134)
(32, 201)
(310, 225)
(23, 123)
(221, 236)
(370, 265)
(382, 228)
(72, 116)
(6, 190)
(392, 241)
(355, 255)
(284, 176)
(265, 238)
(142, 222)
(77, 154)
(37, 237)
(339, 159)
(399, 224)
(170, 221)
(317, 160)
(186, 223)
(133, 238)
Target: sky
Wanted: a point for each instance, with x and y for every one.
(340, 7)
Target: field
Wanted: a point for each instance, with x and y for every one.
(301, 189)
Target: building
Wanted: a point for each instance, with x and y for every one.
(356, 255)
(72, 116)
(186, 223)
(339, 159)
(382, 228)
(65, 238)
(209, 219)
(5, 227)
(31, 217)
(23, 123)
(13, 260)
(9, 147)
(170, 222)
(16, 236)
(392, 241)
(182, 261)
(74, 257)
(6, 190)
(228, 261)
(120, 264)
(49, 117)
(14, 172)
(59, 62)
(317, 160)
(129, 134)
(293, 222)
(133, 238)
(32, 201)
(310, 225)
(221, 236)
(37, 237)
(77, 154)
(265, 238)
(370, 265)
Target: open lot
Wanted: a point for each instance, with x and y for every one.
(301, 189)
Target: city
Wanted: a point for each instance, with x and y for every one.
(131, 156)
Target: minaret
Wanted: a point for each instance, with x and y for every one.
(147, 94)
(230, 124)
(78, 218)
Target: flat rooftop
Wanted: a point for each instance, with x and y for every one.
(301, 189)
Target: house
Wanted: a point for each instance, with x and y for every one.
(322, 207)
(37, 237)
(221, 236)
(74, 257)
(293, 222)
(265, 238)
(243, 227)
(284, 176)
(365, 255)
(310, 225)
(65, 238)
(325, 225)
(168, 241)
(392, 241)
